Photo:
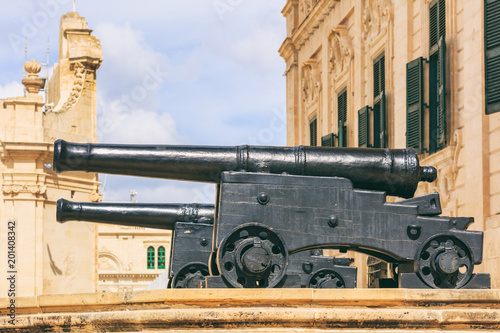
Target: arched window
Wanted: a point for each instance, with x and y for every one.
(151, 257)
(161, 257)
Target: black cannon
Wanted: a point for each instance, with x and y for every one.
(273, 203)
(190, 255)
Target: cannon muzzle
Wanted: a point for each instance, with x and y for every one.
(157, 216)
(396, 171)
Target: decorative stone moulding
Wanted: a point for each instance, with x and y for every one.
(306, 6)
(80, 71)
(76, 91)
(32, 82)
(311, 81)
(340, 51)
(447, 172)
(376, 15)
(94, 196)
(15, 189)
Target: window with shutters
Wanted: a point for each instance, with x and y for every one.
(328, 140)
(342, 117)
(415, 105)
(313, 132)
(161, 257)
(434, 113)
(437, 75)
(151, 257)
(492, 54)
(379, 110)
(364, 127)
(372, 122)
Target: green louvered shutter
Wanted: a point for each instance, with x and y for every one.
(379, 112)
(415, 104)
(342, 118)
(437, 23)
(433, 24)
(382, 121)
(437, 75)
(328, 140)
(364, 127)
(313, 132)
(441, 111)
(442, 18)
(492, 54)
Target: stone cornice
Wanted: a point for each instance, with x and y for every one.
(78, 32)
(12, 190)
(127, 275)
(289, 4)
(312, 22)
(36, 100)
(287, 49)
(137, 233)
(25, 149)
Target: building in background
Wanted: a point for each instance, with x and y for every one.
(131, 258)
(50, 258)
(394, 74)
(54, 258)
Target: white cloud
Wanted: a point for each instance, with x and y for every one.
(13, 89)
(128, 60)
(250, 51)
(129, 79)
(139, 127)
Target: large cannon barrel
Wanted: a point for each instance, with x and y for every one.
(158, 216)
(396, 171)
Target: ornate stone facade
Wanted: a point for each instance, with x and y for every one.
(360, 40)
(340, 51)
(51, 258)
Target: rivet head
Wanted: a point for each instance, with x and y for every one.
(204, 242)
(307, 267)
(333, 221)
(263, 198)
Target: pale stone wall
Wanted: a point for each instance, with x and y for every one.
(123, 257)
(333, 45)
(50, 258)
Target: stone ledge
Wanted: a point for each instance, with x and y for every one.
(235, 309)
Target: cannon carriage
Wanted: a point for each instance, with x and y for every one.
(191, 246)
(276, 204)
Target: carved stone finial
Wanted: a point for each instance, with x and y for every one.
(33, 83)
(33, 67)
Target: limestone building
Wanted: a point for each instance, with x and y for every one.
(50, 258)
(420, 74)
(131, 258)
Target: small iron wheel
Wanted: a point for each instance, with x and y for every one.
(445, 262)
(189, 275)
(325, 278)
(252, 256)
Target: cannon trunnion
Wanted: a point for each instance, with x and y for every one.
(275, 205)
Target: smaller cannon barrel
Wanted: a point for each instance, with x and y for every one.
(396, 171)
(157, 216)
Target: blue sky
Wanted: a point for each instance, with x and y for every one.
(219, 75)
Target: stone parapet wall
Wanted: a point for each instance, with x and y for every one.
(270, 310)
